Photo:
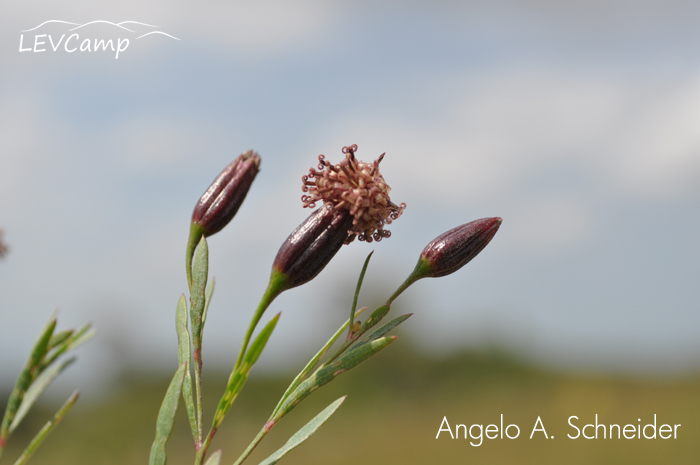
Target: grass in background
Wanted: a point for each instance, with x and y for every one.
(395, 407)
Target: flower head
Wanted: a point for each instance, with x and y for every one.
(357, 187)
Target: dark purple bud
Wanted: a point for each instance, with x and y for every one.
(452, 250)
(312, 245)
(221, 201)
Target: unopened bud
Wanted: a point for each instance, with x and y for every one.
(221, 201)
(455, 248)
(312, 245)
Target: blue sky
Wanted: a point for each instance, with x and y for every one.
(578, 124)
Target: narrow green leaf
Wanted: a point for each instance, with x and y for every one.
(37, 388)
(383, 330)
(207, 299)
(304, 433)
(83, 335)
(166, 417)
(214, 459)
(199, 283)
(59, 338)
(312, 363)
(48, 427)
(239, 376)
(31, 370)
(375, 318)
(184, 352)
(78, 338)
(328, 373)
(357, 292)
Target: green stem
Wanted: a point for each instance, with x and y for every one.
(48, 427)
(196, 233)
(254, 443)
(421, 270)
(357, 294)
(278, 284)
(202, 448)
(199, 402)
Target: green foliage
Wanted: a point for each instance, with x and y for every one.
(166, 417)
(239, 377)
(39, 372)
(304, 433)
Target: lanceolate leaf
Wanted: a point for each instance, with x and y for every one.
(37, 388)
(215, 458)
(76, 339)
(26, 377)
(200, 271)
(59, 338)
(239, 377)
(207, 299)
(184, 351)
(327, 374)
(357, 291)
(166, 417)
(48, 427)
(383, 330)
(304, 433)
(83, 335)
(312, 363)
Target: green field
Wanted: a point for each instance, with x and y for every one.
(396, 404)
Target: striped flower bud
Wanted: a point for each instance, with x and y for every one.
(221, 201)
(311, 246)
(455, 248)
(218, 205)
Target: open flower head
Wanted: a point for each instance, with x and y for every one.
(355, 186)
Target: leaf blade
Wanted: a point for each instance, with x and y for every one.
(326, 374)
(184, 353)
(31, 370)
(239, 377)
(312, 363)
(166, 417)
(37, 388)
(48, 427)
(304, 433)
(384, 329)
(214, 459)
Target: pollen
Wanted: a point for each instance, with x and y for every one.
(355, 186)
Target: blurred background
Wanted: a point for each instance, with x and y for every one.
(578, 123)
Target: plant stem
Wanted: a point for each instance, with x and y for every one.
(254, 443)
(278, 284)
(357, 294)
(196, 232)
(198, 394)
(420, 271)
(202, 449)
(48, 427)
